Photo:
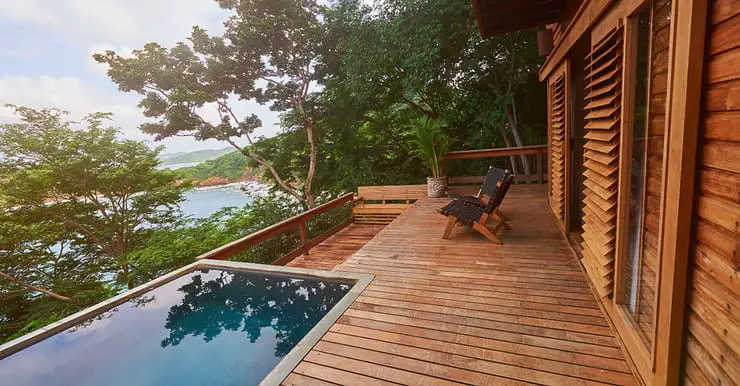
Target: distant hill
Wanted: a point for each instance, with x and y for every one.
(165, 156)
(193, 156)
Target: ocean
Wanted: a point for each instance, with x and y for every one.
(202, 202)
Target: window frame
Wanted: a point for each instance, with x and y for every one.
(627, 140)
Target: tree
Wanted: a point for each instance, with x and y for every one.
(268, 54)
(43, 277)
(102, 195)
(429, 56)
(504, 65)
(182, 241)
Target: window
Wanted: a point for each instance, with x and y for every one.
(641, 253)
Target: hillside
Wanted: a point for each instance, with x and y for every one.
(229, 167)
(193, 156)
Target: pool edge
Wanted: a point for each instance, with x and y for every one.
(17, 344)
(284, 367)
(306, 344)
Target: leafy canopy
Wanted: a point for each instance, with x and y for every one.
(267, 54)
(104, 193)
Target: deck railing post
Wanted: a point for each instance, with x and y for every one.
(305, 246)
(540, 178)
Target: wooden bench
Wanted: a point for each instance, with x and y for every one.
(382, 204)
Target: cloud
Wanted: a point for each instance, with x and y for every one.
(131, 22)
(72, 94)
(46, 49)
(80, 98)
(100, 69)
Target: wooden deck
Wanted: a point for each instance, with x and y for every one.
(465, 311)
(338, 247)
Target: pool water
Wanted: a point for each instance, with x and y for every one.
(208, 327)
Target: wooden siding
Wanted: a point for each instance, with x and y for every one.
(465, 311)
(603, 92)
(558, 148)
(712, 339)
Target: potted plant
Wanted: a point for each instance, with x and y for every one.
(432, 145)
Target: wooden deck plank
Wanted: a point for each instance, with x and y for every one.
(496, 354)
(464, 310)
(512, 366)
(337, 248)
(295, 379)
(537, 336)
(428, 370)
(333, 375)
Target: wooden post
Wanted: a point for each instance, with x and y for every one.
(540, 179)
(689, 29)
(304, 238)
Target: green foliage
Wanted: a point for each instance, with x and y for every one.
(432, 144)
(76, 200)
(106, 192)
(232, 166)
(264, 42)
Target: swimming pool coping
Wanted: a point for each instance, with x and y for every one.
(286, 364)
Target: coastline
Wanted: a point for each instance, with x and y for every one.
(253, 188)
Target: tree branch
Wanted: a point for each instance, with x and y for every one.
(276, 83)
(32, 287)
(430, 114)
(238, 122)
(283, 184)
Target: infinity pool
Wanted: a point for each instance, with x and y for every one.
(209, 326)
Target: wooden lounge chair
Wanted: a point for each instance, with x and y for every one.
(488, 188)
(476, 216)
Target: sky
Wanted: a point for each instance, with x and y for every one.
(46, 49)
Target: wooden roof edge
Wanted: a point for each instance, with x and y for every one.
(489, 12)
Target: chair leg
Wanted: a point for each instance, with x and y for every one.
(501, 220)
(486, 233)
(451, 224)
(498, 226)
(501, 215)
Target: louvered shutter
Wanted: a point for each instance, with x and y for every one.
(557, 148)
(601, 153)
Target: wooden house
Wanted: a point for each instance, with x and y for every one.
(644, 159)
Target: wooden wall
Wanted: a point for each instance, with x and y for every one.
(712, 339)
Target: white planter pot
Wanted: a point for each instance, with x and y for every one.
(436, 187)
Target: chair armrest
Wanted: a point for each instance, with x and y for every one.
(467, 199)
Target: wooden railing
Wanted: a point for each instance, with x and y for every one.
(290, 225)
(538, 151)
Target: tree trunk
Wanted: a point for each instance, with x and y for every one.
(33, 288)
(283, 185)
(311, 164)
(507, 141)
(514, 123)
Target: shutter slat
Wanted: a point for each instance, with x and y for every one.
(557, 148)
(602, 125)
